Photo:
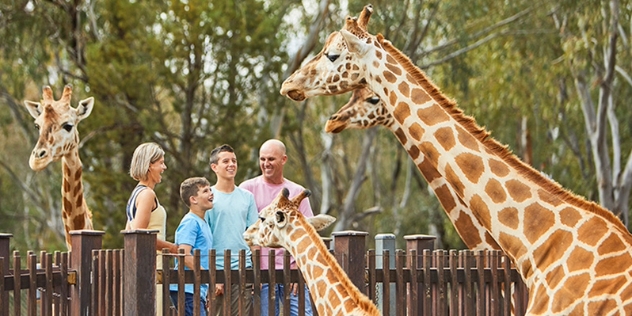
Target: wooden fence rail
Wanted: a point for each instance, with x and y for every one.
(95, 281)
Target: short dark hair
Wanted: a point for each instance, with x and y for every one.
(215, 153)
(190, 187)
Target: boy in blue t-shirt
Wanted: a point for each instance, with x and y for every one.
(194, 233)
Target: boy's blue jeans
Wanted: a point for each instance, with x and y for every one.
(188, 303)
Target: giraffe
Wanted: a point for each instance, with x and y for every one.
(573, 254)
(282, 225)
(59, 139)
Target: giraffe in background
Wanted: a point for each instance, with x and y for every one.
(282, 225)
(58, 139)
(573, 254)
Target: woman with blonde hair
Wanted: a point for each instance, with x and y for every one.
(143, 209)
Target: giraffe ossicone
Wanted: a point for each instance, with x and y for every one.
(573, 254)
(58, 139)
(282, 225)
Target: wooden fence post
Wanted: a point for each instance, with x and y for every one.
(419, 243)
(5, 242)
(83, 242)
(350, 250)
(139, 272)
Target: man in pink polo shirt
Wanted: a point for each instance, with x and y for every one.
(266, 187)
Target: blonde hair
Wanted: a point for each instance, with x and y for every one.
(144, 155)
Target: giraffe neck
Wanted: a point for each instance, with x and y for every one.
(75, 213)
(331, 290)
(564, 246)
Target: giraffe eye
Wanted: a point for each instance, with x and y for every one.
(332, 58)
(67, 127)
(37, 126)
(373, 100)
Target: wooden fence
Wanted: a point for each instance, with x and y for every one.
(95, 281)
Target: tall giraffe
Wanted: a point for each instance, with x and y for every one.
(365, 110)
(573, 254)
(282, 225)
(58, 139)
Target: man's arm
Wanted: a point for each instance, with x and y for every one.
(188, 258)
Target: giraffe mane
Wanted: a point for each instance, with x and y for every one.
(502, 151)
(358, 296)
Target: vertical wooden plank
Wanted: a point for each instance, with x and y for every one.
(442, 288)
(197, 282)
(480, 272)
(5, 252)
(109, 282)
(467, 284)
(507, 286)
(228, 281)
(413, 287)
(272, 284)
(287, 283)
(454, 284)
(63, 306)
(256, 269)
(47, 298)
(17, 284)
(32, 292)
(166, 281)
(386, 282)
(495, 281)
(400, 285)
(372, 275)
(242, 282)
(427, 288)
(181, 297)
(117, 283)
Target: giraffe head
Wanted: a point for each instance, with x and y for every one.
(280, 219)
(57, 123)
(337, 68)
(364, 110)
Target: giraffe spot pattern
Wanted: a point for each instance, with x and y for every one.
(390, 59)
(611, 244)
(498, 168)
(444, 195)
(401, 136)
(432, 115)
(378, 54)
(414, 152)
(466, 139)
(548, 198)
(466, 228)
(569, 217)
(67, 206)
(418, 96)
(512, 245)
(604, 286)
(445, 138)
(79, 220)
(508, 216)
(574, 284)
(579, 259)
(427, 169)
(401, 112)
(541, 306)
(555, 276)
(537, 221)
(416, 131)
(471, 165)
(602, 307)
(591, 231)
(389, 76)
(480, 208)
(550, 253)
(518, 191)
(604, 265)
(395, 70)
(404, 89)
(454, 180)
(496, 191)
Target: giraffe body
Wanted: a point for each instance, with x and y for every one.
(574, 255)
(282, 225)
(59, 140)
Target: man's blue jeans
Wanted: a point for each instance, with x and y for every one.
(188, 303)
(280, 291)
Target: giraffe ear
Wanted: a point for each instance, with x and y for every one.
(34, 108)
(355, 44)
(281, 219)
(321, 221)
(84, 108)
